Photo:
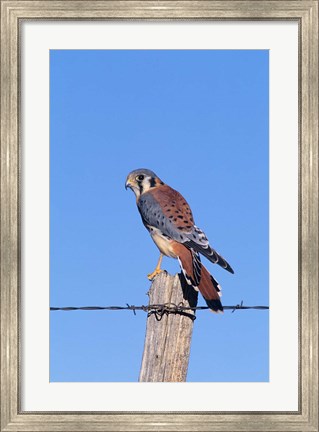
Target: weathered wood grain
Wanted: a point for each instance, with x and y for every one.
(168, 338)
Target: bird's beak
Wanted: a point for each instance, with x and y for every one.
(128, 184)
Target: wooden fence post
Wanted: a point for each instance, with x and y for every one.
(168, 338)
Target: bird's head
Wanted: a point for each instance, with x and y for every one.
(142, 180)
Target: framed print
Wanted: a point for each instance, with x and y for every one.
(220, 100)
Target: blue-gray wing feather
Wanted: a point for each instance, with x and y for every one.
(152, 215)
(193, 238)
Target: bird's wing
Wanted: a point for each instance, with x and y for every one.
(167, 210)
(159, 212)
(197, 240)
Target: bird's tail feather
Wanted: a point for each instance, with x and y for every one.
(210, 290)
(198, 276)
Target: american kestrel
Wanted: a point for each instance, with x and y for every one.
(169, 220)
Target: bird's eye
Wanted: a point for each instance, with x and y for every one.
(140, 177)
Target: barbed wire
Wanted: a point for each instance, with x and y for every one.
(159, 310)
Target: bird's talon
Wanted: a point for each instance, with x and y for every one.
(152, 276)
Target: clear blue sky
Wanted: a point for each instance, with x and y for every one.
(199, 119)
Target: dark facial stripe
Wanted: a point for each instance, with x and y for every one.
(140, 185)
(152, 182)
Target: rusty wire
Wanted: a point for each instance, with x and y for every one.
(159, 310)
